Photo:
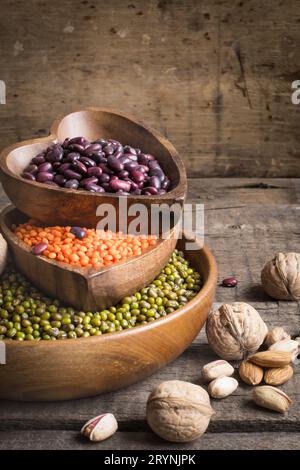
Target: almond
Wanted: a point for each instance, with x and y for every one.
(271, 358)
(278, 375)
(250, 373)
(272, 398)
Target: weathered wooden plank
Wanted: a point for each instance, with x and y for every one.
(68, 440)
(196, 71)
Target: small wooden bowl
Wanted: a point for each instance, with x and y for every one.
(85, 288)
(59, 206)
(83, 367)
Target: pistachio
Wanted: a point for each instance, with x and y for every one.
(100, 428)
(275, 335)
(215, 369)
(278, 375)
(222, 387)
(271, 358)
(287, 345)
(272, 398)
(250, 373)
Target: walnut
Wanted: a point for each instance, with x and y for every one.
(235, 331)
(179, 411)
(280, 276)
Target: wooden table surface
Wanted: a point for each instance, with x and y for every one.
(246, 221)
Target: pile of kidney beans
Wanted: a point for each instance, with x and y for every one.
(99, 166)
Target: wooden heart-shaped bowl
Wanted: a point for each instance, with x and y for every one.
(83, 367)
(58, 206)
(85, 288)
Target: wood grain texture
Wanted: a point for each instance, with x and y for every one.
(246, 220)
(55, 205)
(214, 77)
(85, 288)
(71, 440)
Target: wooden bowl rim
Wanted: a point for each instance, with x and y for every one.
(178, 191)
(207, 288)
(87, 273)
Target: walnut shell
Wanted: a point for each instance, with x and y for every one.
(280, 276)
(235, 331)
(179, 411)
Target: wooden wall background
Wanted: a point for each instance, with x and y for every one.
(214, 76)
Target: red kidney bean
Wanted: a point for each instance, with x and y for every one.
(124, 159)
(73, 175)
(150, 190)
(115, 185)
(123, 175)
(153, 164)
(105, 169)
(115, 164)
(104, 178)
(113, 177)
(87, 181)
(137, 176)
(118, 154)
(128, 149)
(77, 148)
(39, 248)
(71, 184)
(155, 182)
(28, 176)
(105, 186)
(132, 157)
(56, 165)
(129, 166)
(229, 282)
(157, 172)
(64, 167)
(78, 140)
(60, 179)
(136, 192)
(66, 142)
(143, 159)
(162, 191)
(47, 166)
(94, 187)
(108, 149)
(133, 185)
(55, 154)
(165, 184)
(73, 156)
(78, 232)
(31, 169)
(38, 159)
(94, 171)
(44, 176)
(80, 167)
(91, 149)
(99, 157)
(143, 168)
(88, 162)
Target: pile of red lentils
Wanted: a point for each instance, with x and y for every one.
(82, 247)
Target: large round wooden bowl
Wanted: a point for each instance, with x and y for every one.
(58, 206)
(85, 288)
(83, 367)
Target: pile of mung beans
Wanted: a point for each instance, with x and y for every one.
(27, 314)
